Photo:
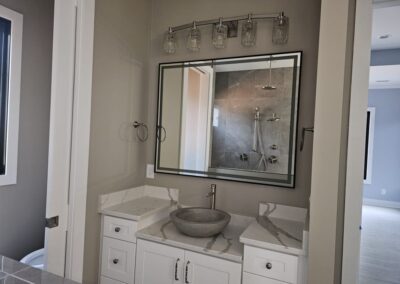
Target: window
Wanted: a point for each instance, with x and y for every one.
(10, 80)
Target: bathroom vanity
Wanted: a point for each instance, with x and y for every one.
(141, 245)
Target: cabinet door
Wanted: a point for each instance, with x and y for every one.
(249, 278)
(118, 260)
(201, 269)
(158, 264)
(105, 280)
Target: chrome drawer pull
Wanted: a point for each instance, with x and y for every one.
(176, 269)
(186, 272)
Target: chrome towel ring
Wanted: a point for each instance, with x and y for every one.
(142, 131)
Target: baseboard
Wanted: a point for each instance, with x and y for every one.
(381, 203)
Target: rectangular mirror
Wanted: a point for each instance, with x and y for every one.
(231, 118)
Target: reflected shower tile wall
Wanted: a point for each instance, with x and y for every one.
(237, 94)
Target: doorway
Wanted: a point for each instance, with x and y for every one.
(371, 248)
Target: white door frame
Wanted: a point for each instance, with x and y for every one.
(69, 135)
(356, 142)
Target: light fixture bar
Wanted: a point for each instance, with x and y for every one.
(270, 16)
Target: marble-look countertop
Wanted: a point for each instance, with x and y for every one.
(225, 245)
(275, 234)
(138, 208)
(14, 272)
(278, 228)
(138, 203)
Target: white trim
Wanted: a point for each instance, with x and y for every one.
(61, 109)
(80, 140)
(69, 136)
(371, 136)
(10, 176)
(381, 203)
(356, 142)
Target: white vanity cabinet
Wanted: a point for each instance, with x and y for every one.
(118, 251)
(157, 263)
(265, 266)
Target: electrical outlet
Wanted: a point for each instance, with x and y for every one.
(383, 191)
(150, 171)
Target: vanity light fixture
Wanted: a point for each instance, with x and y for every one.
(194, 38)
(280, 29)
(249, 32)
(220, 34)
(170, 43)
(220, 31)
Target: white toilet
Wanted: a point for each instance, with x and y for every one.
(35, 259)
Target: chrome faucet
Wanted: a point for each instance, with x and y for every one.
(212, 194)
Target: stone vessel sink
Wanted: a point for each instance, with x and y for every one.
(200, 222)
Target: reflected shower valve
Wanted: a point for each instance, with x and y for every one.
(272, 159)
(244, 157)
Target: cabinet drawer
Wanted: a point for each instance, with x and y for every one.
(118, 260)
(105, 280)
(274, 265)
(120, 229)
(255, 279)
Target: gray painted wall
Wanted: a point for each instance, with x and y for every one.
(22, 206)
(386, 156)
(304, 16)
(385, 57)
(119, 74)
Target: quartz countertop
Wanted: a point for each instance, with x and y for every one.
(138, 203)
(278, 230)
(14, 272)
(138, 208)
(275, 234)
(225, 245)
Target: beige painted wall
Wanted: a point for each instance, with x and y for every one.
(22, 206)
(119, 88)
(236, 197)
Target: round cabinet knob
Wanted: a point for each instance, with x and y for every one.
(115, 261)
(269, 265)
(117, 229)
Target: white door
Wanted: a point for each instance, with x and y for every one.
(201, 269)
(60, 135)
(356, 142)
(71, 91)
(158, 264)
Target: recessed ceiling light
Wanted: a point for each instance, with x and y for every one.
(382, 81)
(385, 36)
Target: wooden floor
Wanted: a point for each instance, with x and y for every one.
(380, 246)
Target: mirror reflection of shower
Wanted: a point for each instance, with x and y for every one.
(269, 86)
(258, 145)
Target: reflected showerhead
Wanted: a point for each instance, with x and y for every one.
(274, 118)
(268, 87)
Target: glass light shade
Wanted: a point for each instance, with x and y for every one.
(249, 33)
(220, 34)
(170, 42)
(280, 30)
(193, 39)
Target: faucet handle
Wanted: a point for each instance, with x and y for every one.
(213, 187)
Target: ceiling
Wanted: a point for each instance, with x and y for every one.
(386, 23)
(384, 77)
